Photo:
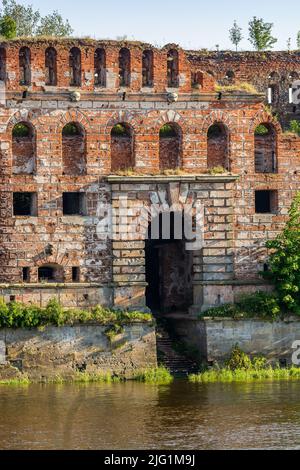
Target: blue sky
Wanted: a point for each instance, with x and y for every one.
(191, 23)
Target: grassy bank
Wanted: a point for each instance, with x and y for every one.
(242, 375)
(156, 375)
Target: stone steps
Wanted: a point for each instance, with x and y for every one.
(175, 361)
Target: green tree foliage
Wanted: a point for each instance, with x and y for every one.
(235, 34)
(54, 25)
(260, 34)
(298, 40)
(29, 21)
(284, 262)
(295, 126)
(8, 27)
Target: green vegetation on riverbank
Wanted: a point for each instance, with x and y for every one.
(159, 375)
(241, 368)
(155, 375)
(18, 315)
(242, 375)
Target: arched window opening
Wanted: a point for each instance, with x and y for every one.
(23, 149)
(100, 67)
(73, 149)
(265, 149)
(173, 68)
(147, 68)
(25, 66)
(170, 147)
(50, 273)
(124, 67)
(75, 66)
(51, 66)
(122, 157)
(218, 146)
(2, 64)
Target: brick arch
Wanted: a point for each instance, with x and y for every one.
(171, 116)
(125, 117)
(23, 116)
(73, 115)
(264, 117)
(218, 117)
(56, 257)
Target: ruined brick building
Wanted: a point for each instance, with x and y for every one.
(83, 123)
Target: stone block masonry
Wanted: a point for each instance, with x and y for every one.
(78, 135)
(65, 351)
(214, 339)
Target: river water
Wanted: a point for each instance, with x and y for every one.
(138, 416)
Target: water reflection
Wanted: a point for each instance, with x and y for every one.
(138, 416)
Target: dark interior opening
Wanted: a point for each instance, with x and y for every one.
(75, 274)
(168, 267)
(73, 204)
(25, 274)
(24, 204)
(265, 202)
(46, 273)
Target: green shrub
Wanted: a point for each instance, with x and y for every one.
(284, 261)
(238, 360)
(258, 305)
(295, 126)
(18, 315)
(21, 130)
(167, 130)
(262, 130)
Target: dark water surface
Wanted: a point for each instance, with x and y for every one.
(139, 416)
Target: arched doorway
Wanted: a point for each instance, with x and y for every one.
(169, 265)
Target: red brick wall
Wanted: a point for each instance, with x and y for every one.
(73, 155)
(122, 157)
(169, 153)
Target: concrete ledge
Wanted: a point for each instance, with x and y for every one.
(174, 178)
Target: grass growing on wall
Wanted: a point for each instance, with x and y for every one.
(259, 305)
(18, 315)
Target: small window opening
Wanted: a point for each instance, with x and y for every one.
(266, 202)
(74, 203)
(25, 274)
(24, 204)
(75, 274)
